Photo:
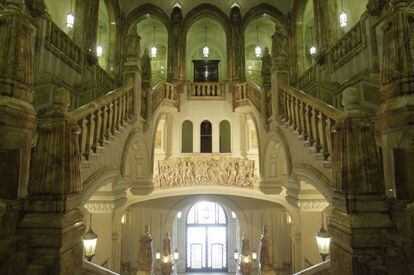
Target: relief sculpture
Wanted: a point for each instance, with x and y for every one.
(209, 170)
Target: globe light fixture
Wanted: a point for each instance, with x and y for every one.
(153, 48)
(254, 255)
(343, 16)
(236, 255)
(206, 49)
(176, 255)
(157, 255)
(70, 17)
(312, 49)
(89, 240)
(323, 240)
(99, 48)
(165, 259)
(258, 49)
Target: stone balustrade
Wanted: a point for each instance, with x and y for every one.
(311, 118)
(167, 93)
(90, 268)
(246, 93)
(350, 43)
(59, 43)
(104, 79)
(308, 77)
(100, 119)
(206, 90)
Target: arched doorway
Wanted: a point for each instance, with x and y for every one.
(206, 237)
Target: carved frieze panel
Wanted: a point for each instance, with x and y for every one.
(206, 170)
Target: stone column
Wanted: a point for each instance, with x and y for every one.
(235, 47)
(17, 130)
(36, 7)
(359, 222)
(86, 27)
(396, 120)
(176, 47)
(280, 69)
(266, 73)
(53, 221)
(132, 68)
(146, 84)
(326, 23)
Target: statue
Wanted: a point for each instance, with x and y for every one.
(245, 263)
(146, 73)
(265, 251)
(166, 249)
(133, 44)
(145, 251)
(167, 259)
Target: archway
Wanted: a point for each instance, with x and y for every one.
(206, 237)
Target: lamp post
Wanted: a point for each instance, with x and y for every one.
(70, 17)
(89, 242)
(323, 240)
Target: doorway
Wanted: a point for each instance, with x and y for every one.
(206, 238)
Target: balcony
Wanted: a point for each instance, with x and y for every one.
(206, 91)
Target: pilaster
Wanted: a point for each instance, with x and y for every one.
(235, 48)
(176, 47)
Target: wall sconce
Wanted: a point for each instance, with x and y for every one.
(157, 255)
(70, 17)
(246, 259)
(254, 255)
(165, 259)
(343, 16)
(288, 219)
(312, 50)
(123, 218)
(176, 255)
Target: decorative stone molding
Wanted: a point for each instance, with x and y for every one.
(312, 205)
(102, 207)
(206, 170)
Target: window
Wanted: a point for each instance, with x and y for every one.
(225, 137)
(187, 137)
(206, 237)
(206, 137)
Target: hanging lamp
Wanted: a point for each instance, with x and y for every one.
(312, 49)
(153, 48)
(99, 48)
(343, 16)
(89, 240)
(70, 17)
(206, 49)
(258, 49)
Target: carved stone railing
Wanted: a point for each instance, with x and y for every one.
(60, 44)
(319, 269)
(94, 269)
(308, 77)
(348, 45)
(165, 93)
(104, 79)
(102, 118)
(205, 170)
(248, 93)
(206, 90)
(310, 117)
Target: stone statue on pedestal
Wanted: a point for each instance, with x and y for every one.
(266, 251)
(145, 252)
(245, 264)
(167, 259)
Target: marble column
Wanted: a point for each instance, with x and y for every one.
(176, 47)
(266, 74)
(17, 130)
(396, 120)
(359, 222)
(235, 47)
(53, 221)
(132, 68)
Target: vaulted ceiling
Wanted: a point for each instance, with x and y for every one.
(167, 5)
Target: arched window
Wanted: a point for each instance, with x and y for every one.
(225, 137)
(187, 137)
(206, 237)
(206, 137)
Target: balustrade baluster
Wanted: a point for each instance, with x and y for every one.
(103, 123)
(113, 117)
(317, 136)
(81, 136)
(324, 137)
(289, 110)
(305, 126)
(299, 117)
(309, 118)
(95, 128)
(88, 136)
(108, 120)
(294, 113)
(122, 121)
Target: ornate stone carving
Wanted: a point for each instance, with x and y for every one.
(145, 251)
(146, 73)
(133, 47)
(209, 170)
(266, 251)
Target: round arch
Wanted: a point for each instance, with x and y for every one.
(206, 10)
(268, 11)
(94, 182)
(315, 178)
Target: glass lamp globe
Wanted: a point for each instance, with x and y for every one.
(206, 51)
(236, 255)
(99, 51)
(343, 19)
(312, 50)
(258, 51)
(89, 244)
(153, 52)
(254, 255)
(157, 255)
(323, 241)
(176, 255)
(70, 20)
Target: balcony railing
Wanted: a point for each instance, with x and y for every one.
(167, 93)
(310, 117)
(104, 79)
(308, 77)
(206, 90)
(246, 93)
(59, 43)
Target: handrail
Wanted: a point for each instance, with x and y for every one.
(91, 268)
(247, 92)
(206, 90)
(310, 117)
(316, 269)
(100, 119)
(165, 92)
